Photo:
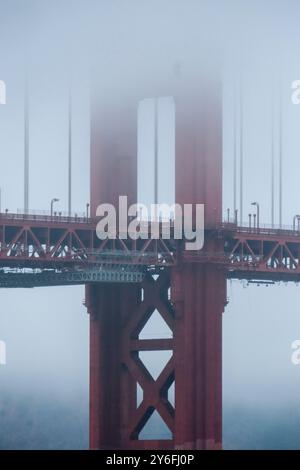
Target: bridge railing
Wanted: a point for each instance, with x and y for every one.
(268, 229)
(80, 217)
(45, 216)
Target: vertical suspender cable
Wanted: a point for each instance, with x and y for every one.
(26, 121)
(234, 148)
(26, 147)
(156, 151)
(280, 157)
(241, 152)
(272, 159)
(70, 154)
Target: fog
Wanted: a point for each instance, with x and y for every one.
(117, 44)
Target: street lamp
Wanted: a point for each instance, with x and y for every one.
(257, 212)
(87, 210)
(52, 202)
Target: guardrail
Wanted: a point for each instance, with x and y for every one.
(40, 217)
(62, 217)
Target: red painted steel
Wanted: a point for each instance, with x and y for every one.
(189, 292)
(198, 292)
(118, 314)
(45, 242)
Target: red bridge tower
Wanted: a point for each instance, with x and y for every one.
(189, 296)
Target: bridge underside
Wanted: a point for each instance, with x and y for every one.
(29, 278)
(266, 277)
(266, 254)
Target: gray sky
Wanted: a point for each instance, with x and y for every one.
(46, 330)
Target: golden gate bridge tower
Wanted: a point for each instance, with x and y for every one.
(188, 290)
(127, 280)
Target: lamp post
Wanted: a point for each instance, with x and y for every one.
(52, 202)
(257, 212)
(250, 221)
(87, 210)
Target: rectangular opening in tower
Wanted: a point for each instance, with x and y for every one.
(156, 154)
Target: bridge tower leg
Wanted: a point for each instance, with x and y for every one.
(190, 297)
(199, 289)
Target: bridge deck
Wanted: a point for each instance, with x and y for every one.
(45, 250)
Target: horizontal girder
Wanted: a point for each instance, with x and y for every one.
(67, 251)
(57, 243)
(30, 278)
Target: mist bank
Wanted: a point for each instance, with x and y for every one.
(248, 427)
(36, 421)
